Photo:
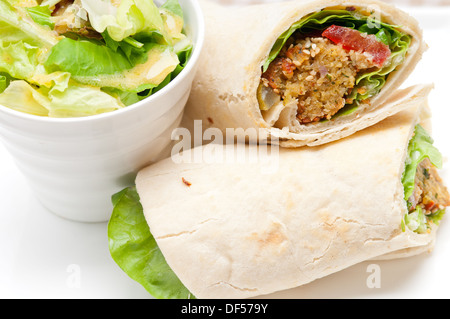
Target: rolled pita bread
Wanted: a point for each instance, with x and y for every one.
(237, 229)
(238, 43)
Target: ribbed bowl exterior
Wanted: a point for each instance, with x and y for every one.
(75, 165)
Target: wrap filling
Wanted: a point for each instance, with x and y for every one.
(331, 62)
(425, 193)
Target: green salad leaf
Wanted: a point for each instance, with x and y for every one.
(85, 58)
(23, 44)
(97, 64)
(19, 59)
(74, 100)
(130, 17)
(420, 147)
(398, 43)
(41, 15)
(136, 252)
(174, 7)
(15, 26)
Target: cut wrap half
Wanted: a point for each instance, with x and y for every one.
(305, 72)
(238, 230)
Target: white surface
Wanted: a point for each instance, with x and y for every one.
(75, 164)
(45, 256)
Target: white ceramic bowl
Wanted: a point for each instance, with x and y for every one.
(75, 165)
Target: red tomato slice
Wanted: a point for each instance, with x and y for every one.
(351, 39)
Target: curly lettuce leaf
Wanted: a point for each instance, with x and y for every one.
(19, 59)
(135, 250)
(374, 81)
(325, 18)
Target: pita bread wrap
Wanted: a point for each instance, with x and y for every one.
(238, 230)
(240, 40)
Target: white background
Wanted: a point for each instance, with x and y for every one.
(45, 256)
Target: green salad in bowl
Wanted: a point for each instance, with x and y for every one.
(74, 58)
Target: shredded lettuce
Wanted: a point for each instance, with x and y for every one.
(374, 81)
(420, 147)
(136, 252)
(137, 49)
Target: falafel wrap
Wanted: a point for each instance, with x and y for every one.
(229, 229)
(306, 72)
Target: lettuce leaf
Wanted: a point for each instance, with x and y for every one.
(19, 59)
(129, 97)
(15, 26)
(41, 15)
(24, 45)
(73, 101)
(96, 64)
(398, 43)
(85, 58)
(135, 250)
(174, 7)
(130, 17)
